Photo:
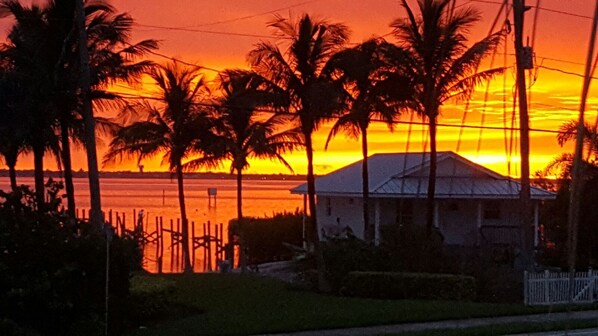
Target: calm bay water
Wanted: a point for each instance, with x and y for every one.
(159, 197)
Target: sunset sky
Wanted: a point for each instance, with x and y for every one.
(218, 35)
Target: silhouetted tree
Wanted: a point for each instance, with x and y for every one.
(312, 97)
(432, 51)
(247, 132)
(374, 91)
(176, 126)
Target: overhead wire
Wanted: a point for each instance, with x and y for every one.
(543, 8)
(192, 30)
(272, 11)
(126, 95)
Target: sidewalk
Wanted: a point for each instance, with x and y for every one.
(450, 324)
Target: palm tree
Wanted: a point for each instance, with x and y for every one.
(21, 53)
(374, 91)
(176, 126)
(298, 72)
(568, 131)
(562, 165)
(51, 41)
(432, 51)
(247, 133)
(12, 126)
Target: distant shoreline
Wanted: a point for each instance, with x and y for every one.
(163, 175)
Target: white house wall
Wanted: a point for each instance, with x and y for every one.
(457, 220)
(344, 212)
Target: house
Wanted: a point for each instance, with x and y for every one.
(474, 205)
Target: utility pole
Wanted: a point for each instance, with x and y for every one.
(577, 174)
(524, 196)
(95, 216)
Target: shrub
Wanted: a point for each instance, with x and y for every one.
(342, 256)
(264, 237)
(395, 285)
(52, 268)
(409, 249)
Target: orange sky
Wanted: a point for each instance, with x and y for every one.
(561, 43)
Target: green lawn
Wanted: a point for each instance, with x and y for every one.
(241, 305)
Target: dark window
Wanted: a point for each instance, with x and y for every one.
(491, 210)
(404, 212)
(453, 206)
(328, 207)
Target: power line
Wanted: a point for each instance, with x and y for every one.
(564, 71)
(251, 16)
(206, 31)
(542, 8)
(397, 122)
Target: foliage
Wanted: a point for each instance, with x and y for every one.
(176, 125)
(555, 217)
(41, 55)
(401, 250)
(343, 256)
(389, 285)
(52, 268)
(433, 52)
(373, 90)
(266, 237)
(312, 98)
(554, 252)
(246, 132)
(410, 249)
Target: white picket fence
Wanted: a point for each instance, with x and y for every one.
(549, 288)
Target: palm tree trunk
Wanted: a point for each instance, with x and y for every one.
(240, 222)
(68, 169)
(11, 162)
(430, 204)
(95, 215)
(185, 223)
(12, 172)
(367, 227)
(38, 164)
(312, 232)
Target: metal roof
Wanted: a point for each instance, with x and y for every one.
(404, 175)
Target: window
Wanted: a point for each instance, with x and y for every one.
(328, 207)
(404, 212)
(492, 210)
(453, 206)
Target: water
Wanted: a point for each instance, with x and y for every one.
(159, 197)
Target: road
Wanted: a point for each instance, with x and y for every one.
(577, 332)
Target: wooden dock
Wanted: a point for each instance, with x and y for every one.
(161, 241)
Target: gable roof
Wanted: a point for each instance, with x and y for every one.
(394, 175)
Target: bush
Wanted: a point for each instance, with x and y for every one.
(391, 285)
(264, 237)
(342, 256)
(52, 269)
(409, 249)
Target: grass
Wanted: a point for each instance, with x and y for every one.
(240, 305)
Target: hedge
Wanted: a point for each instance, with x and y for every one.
(395, 285)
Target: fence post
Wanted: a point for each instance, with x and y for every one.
(546, 287)
(525, 288)
(591, 279)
